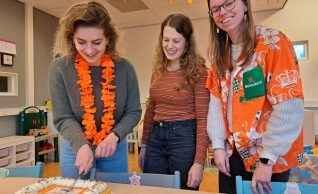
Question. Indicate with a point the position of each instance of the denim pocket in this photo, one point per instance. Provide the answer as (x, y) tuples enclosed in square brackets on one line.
[(155, 132), (185, 129)]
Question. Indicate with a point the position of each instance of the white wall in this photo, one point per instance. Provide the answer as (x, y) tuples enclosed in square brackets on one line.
[(315, 118), (140, 46), (296, 20)]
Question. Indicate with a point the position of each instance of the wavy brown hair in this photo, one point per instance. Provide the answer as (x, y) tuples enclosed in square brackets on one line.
[(86, 14), (220, 43), (191, 62)]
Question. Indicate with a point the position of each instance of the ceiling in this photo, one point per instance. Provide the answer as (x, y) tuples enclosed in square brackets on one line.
[(145, 12)]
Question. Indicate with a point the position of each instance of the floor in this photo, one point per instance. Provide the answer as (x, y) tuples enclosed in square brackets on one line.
[(209, 182)]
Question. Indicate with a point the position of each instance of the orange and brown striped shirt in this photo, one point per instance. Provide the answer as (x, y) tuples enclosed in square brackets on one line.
[(168, 104)]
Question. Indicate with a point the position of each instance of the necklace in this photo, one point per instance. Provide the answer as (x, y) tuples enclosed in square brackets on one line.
[(87, 98), (173, 69)]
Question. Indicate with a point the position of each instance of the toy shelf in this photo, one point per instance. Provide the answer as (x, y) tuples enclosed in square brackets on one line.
[(39, 139), (47, 151), (17, 151), (31, 122)]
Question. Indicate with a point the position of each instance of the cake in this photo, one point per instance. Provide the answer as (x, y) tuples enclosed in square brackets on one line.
[(60, 185)]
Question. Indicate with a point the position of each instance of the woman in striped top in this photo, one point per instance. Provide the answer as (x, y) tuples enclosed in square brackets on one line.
[(174, 132)]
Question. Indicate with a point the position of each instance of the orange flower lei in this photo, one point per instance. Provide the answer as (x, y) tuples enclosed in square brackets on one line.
[(87, 98)]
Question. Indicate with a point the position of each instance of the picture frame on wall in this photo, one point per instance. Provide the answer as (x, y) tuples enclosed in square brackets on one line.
[(6, 59)]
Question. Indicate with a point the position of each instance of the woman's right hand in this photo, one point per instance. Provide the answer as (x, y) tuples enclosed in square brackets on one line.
[(84, 159), (222, 161), (141, 157)]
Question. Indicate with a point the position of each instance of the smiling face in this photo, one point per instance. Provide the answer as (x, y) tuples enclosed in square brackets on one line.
[(173, 44), (229, 21), (90, 42)]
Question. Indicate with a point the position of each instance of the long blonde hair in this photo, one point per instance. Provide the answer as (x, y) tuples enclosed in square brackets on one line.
[(191, 62), (218, 51), (87, 14)]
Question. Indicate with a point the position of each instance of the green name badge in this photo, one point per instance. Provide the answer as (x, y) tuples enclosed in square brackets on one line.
[(254, 83)]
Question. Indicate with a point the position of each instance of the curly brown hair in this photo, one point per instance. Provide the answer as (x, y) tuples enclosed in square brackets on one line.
[(191, 62), (86, 14)]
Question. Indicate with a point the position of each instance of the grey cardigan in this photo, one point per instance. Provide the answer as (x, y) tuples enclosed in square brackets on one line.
[(65, 99)]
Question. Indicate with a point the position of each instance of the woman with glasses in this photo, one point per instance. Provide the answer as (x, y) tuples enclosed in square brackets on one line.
[(256, 102)]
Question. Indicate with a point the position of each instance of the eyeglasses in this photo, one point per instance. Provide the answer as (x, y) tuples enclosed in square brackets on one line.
[(228, 6)]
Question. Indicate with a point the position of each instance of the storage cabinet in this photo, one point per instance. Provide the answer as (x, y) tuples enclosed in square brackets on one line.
[(17, 151), (55, 150)]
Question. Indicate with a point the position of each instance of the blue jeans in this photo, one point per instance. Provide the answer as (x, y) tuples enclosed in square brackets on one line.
[(171, 147), (118, 162)]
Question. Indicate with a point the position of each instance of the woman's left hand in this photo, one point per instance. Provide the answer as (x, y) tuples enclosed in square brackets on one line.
[(195, 175), (262, 178), (107, 147)]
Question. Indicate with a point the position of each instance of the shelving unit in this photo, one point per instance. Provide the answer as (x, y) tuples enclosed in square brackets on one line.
[(17, 151), (38, 140), (33, 118)]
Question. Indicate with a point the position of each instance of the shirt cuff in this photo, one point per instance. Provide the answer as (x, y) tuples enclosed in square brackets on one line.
[(218, 144), (269, 155)]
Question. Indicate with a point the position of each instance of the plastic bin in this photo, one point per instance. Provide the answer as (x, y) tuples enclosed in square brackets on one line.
[(4, 152), (4, 162), (23, 156), (22, 147)]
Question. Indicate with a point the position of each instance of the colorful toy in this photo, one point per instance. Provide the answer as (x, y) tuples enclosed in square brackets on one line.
[(307, 172), (311, 149), (39, 132)]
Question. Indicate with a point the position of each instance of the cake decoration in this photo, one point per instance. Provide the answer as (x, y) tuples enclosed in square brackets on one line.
[(61, 185)]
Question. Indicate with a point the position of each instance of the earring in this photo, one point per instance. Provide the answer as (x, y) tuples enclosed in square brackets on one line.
[(245, 16), (217, 30)]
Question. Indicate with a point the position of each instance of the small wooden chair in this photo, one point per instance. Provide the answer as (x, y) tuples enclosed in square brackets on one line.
[(244, 187), (24, 171)]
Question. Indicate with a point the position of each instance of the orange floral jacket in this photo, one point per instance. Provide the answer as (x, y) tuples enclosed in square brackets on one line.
[(272, 77)]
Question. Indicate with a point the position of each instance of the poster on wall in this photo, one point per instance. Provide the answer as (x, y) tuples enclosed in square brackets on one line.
[(7, 46)]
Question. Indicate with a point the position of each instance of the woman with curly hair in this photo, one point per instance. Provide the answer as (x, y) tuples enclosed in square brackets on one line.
[(174, 132), (94, 92)]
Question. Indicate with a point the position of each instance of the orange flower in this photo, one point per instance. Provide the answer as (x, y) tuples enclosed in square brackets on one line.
[(87, 98), (108, 86), (90, 110)]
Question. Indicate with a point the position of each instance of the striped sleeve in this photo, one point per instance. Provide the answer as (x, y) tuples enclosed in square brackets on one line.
[(148, 117), (202, 98), (148, 120)]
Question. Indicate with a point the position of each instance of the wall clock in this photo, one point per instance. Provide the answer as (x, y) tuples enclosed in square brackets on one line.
[(6, 59)]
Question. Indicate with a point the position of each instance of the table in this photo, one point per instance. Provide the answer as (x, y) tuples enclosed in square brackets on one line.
[(12, 185)]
